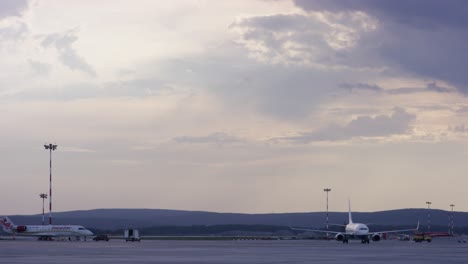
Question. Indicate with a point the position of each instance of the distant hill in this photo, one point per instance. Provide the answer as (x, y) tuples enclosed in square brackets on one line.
[(140, 218)]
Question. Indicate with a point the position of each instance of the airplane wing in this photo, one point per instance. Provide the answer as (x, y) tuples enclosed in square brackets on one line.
[(330, 224), (318, 231), (396, 231), (45, 234)]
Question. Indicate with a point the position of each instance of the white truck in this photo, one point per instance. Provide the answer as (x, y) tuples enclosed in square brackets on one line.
[(132, 235)]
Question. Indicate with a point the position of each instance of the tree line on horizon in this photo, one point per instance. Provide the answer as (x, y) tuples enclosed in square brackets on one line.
[(232, 230)]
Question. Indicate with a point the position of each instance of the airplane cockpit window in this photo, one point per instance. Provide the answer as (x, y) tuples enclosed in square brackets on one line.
[(80, 228)]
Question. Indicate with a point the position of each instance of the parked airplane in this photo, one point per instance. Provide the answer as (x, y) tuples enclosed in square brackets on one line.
[(44, 232), (357, 231)]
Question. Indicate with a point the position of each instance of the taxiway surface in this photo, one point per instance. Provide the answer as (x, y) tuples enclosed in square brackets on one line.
[(294, 251)]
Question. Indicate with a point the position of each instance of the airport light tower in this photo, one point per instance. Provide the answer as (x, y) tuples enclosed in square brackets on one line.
[(327, 190), (43, 196), (428, 216), (50, 147), (451, 220)]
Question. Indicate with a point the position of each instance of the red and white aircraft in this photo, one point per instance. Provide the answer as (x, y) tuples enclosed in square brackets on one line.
[(44, 232)]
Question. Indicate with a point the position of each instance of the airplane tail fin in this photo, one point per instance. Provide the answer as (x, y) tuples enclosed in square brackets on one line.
[(7, 224), (350, 221)]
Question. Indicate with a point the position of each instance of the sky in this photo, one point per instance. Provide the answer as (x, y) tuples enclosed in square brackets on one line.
[(250, 106)]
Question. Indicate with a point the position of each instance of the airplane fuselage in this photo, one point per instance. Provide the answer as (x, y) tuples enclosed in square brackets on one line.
[(357, 230), (51, 230), (44, 231)]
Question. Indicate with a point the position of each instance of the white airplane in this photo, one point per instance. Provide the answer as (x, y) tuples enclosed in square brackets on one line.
[(358, 231), (44, 232)]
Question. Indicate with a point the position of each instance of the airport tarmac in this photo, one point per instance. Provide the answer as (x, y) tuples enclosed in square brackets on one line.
[(281, 251)]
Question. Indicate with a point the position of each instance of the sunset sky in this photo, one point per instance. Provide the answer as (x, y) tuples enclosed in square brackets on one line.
[(250, 106)]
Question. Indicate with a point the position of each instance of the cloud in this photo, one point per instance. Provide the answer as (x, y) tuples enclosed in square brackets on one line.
[(12, 27), (9, 8), (432, 87), (311, 39), (285, 92), (12, 30), (459, 129), (424, 37), (128, 88), (39, 67), (436, 88), (215, 138), (126, 162), (69, 57), (76, 149), (363, 126), (463, 109), (138, 87), (416, 13), (356, 46), (179, 78), (361, 86)]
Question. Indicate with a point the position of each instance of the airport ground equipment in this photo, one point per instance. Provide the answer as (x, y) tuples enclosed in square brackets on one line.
[(132, 235), (101, 237), (420, 237)]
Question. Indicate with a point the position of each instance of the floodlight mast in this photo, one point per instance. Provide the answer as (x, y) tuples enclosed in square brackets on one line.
[(428, 216), (327, 190), (50, 147), (43, 196), (451, 220)]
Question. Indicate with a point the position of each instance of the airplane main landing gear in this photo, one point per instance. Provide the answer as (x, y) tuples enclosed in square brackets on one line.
[(345, 241)]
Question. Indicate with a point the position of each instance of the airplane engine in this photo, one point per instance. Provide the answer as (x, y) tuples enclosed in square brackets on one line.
[(376, 237), (21, 228), (339, 237)]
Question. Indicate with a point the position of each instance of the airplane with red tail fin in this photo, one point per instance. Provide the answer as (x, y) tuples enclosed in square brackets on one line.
[(44, 232)]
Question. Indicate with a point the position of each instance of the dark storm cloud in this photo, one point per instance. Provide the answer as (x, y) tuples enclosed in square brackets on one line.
[(364, 126), (304, 39), (425, 37), (271, 37), (361, 86), (432, 87), (276, 22), (436, 88), (418, 13), (63, 42), (10, 8)]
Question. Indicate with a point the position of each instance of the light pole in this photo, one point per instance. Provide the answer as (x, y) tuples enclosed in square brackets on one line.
[(43, 196), (451, 222), (50, 147), (327, 190), (428, 216)]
